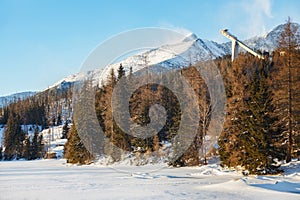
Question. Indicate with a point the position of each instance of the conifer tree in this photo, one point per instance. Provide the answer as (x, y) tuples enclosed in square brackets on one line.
[(13, 138), (65, 130), (41, 146), (287, 80), (251, 129), (58, 121), (257, 127), (35, 147), (27, 148), (75, 151), (121, 72)]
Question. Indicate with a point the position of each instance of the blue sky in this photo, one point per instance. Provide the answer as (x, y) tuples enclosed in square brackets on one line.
[(41, 42)]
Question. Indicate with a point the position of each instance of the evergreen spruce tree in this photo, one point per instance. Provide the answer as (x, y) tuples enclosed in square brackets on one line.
[(41, 146), (58, 121), (121, 72), (75, 151), (13, 138), (65, 130), (257, 128), (27, 148), (251, 129), (35, 148)]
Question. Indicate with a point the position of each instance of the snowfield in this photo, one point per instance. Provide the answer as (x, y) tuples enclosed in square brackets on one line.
[(54, 179)]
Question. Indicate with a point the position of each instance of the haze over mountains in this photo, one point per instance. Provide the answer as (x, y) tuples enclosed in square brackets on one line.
[(188, 51)]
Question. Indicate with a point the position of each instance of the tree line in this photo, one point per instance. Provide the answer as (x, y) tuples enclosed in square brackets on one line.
[(263, 107), (45, 109)]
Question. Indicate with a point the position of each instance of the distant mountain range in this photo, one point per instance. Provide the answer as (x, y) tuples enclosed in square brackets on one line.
[(6, 100), (188, 51)]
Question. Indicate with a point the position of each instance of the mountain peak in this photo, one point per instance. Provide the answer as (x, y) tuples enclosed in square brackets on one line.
[(188, 51), (269, 42), (190, 37)]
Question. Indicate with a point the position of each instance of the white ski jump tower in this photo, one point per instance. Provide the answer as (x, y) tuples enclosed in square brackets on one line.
[(235, 43)]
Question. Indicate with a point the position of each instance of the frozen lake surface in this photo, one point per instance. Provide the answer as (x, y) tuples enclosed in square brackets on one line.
[(54, 179)]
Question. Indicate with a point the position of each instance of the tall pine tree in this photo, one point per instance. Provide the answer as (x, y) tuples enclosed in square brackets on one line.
[(257, 128), (27, 148), (286, 87), (251, 128), (65, 130), (35, 146), (75, 151), (13, 138)]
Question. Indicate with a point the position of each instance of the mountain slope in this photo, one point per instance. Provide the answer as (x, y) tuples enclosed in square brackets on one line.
[(268, 42), (188, 51), (5, 100)]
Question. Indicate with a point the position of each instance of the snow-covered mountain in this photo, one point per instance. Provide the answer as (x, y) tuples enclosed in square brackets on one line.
[(268, 42), (5, 100), (188, 51)]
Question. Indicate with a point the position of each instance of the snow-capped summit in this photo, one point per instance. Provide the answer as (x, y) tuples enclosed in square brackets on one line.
[(190, 37), (188, 51), (269, 42)]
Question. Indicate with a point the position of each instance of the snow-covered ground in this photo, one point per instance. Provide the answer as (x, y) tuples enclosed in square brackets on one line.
[(54, 179), (52, 140), (51, 137)]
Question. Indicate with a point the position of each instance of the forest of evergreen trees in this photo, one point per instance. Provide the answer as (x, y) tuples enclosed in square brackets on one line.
[(38, 112), (262, 121), (263, 108), (261, 126)]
